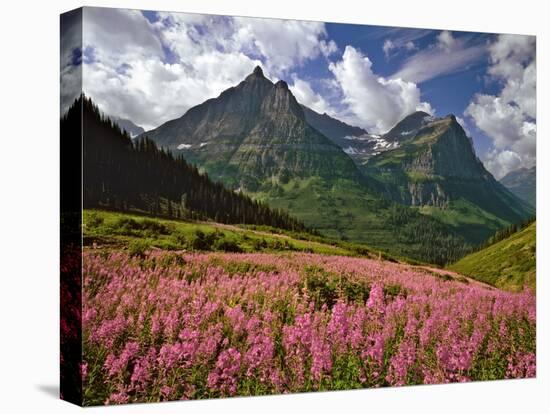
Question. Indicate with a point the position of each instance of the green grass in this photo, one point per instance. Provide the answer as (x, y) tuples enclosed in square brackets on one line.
[(137, 232), (344, 210), (466, 218), (509, 264)]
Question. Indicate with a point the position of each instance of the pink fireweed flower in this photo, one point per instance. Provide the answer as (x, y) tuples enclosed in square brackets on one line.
[(184, 326), (375, 301), (224, 377), (116, 365)]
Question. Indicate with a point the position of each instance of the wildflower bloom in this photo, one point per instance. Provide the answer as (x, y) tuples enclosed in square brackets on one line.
[(242, 324)]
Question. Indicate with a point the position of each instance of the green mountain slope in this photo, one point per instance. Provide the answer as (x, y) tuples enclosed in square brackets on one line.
[(508, 264), (255, 138), (437, 172)]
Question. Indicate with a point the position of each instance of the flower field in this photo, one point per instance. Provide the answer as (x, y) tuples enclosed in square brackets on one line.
[(166, 326)]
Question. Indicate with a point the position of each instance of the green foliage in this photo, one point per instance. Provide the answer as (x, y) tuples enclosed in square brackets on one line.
[(94, 220), (344, 211), (138, 176), (120, 229), (137, 248), (203, 241), (325, 287), (508, 264), (227, 245)]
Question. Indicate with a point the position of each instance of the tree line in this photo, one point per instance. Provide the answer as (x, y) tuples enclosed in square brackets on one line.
[(505, 233), (123, 175)]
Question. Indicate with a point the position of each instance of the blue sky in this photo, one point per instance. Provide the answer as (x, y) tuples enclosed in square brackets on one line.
[(447, 93), (151, 67)]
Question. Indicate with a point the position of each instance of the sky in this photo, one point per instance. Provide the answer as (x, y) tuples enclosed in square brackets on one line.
[(150, 67)]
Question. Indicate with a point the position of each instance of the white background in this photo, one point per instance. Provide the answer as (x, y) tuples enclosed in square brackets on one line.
[(29, 193)]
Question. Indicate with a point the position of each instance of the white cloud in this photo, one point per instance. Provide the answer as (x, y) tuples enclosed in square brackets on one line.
[(510, 54), (509, 118), (410, 45), (399, 39), (390, 45), (448, 55), (307, 96), (446, 40), (502, 162), (153, 72), (284, 43), (387, 47), (376, 103)]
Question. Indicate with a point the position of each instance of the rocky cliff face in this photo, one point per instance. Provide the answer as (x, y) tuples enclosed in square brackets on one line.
[(253, 132), (437, 167)]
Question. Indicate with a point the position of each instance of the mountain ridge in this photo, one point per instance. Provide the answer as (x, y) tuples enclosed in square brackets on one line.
[(254, 137), (436, 169), (246, 133)]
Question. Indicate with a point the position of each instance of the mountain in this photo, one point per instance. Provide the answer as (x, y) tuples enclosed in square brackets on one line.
[(120, 175), (354, 141), (127, 125), (435, 169), (408, 127), (523, 183), (253, 133), (254, 137), (508, 264), (330, 127)]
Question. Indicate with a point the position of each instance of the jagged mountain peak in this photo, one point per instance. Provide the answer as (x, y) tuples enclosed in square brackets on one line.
[(281, 84), (253, 132), (257, 74), (436, 165), (258, 71)]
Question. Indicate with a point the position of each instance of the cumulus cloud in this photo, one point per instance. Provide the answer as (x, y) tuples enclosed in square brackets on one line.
[(151, 72), (509, 118), (284, 43), (376, 103), (448, 54), (305, 94), (502, 162)]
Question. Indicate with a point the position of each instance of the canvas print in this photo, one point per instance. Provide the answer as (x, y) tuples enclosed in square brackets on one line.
[(256, 206)]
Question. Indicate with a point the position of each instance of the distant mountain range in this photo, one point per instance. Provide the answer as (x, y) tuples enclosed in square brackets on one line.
[(523, 183), (127, 125), (418, 190)]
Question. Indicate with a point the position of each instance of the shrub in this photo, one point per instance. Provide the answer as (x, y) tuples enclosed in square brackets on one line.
[(204, 241), (227, 245), (137, 248), (94, 220)]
